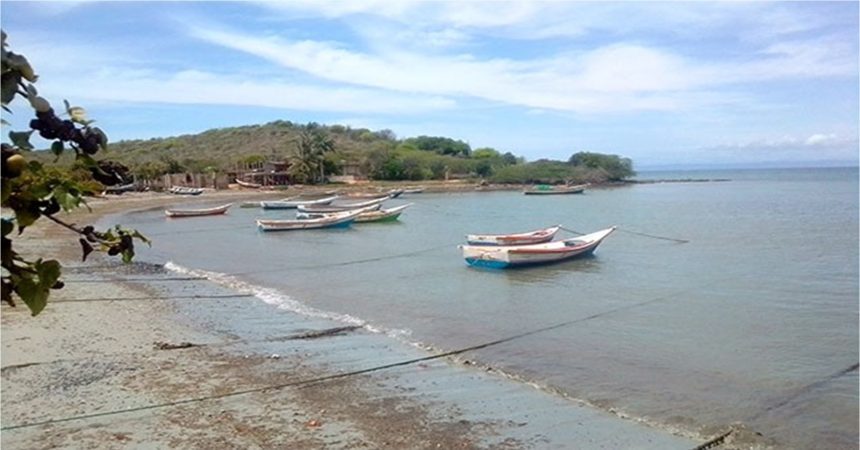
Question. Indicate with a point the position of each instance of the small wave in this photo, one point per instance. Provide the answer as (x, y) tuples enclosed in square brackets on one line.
[(283, 301)]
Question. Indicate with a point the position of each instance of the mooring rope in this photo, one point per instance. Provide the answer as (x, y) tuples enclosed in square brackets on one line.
[(682, 241), (301, 383), (150, 298), (122, 280)]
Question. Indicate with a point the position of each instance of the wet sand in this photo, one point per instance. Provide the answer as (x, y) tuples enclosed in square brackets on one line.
[(132, 356)]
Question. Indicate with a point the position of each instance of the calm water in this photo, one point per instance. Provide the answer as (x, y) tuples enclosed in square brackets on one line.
[(752, 321)]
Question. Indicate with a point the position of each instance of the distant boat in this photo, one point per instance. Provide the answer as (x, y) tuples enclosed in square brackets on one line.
[(181, 190), (367, 195), (545, 189), (247, 184), (382, 215), (197, 212), (295, 202), (514, 256), (527, 238), (416, 190), (250, 205), (394, 193), (343, 219)]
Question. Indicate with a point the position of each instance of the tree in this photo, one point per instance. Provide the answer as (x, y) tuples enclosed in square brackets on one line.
[(33, 191), (616, 167), (440, 145), (308, 157)]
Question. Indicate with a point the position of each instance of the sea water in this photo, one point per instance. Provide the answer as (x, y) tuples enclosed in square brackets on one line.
[(753, 321)]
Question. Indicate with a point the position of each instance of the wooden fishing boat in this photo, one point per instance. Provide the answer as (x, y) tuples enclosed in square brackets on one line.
[(250, 205), (416, 190), (382, 215), (527, 238), (181, 190), (340, 206), (394, 193), (343, 219), (523, 255), (304, 214), (545, 189), (328, 209), (197, 212), (295, 202), (248, 184)]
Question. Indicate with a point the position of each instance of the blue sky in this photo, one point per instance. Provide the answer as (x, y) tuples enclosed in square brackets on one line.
[(729, 83)]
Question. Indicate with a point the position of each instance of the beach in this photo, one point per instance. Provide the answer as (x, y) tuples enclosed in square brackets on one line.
[(117, 361)]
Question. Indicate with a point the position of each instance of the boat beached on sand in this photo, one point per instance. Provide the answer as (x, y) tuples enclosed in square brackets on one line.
[(174, 212), (529, 237), (500, 257)]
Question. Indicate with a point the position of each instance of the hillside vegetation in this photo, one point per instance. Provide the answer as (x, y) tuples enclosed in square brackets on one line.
[(313, 149)]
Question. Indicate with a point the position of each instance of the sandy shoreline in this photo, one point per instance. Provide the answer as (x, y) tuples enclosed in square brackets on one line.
[(88, 355)]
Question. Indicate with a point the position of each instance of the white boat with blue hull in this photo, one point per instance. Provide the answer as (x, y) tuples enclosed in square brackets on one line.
[(336, 220), (502, 257)]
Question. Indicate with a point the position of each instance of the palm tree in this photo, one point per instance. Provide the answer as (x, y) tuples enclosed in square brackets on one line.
[(308, 156)]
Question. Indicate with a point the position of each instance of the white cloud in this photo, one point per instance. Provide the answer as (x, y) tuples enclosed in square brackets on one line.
[(204, 88), (791, 143), (615, 77)]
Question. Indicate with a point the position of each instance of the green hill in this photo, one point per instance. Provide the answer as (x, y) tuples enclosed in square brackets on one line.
[(357, 151)]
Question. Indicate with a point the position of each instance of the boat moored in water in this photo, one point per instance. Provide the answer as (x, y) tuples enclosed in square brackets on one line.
[(295, 202), (545, 189), (343, 219), (501, 257), (527, 238)]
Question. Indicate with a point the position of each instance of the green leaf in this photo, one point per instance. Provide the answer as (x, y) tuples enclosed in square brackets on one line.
[(127, 255), (21, 139), (136, 234), (49, 272), (103, 139), (67, 200), (78, 114), (25, 217), (32, 293), (9, 86), (57, 149)]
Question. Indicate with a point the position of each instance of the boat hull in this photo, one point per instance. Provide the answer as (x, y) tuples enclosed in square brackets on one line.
[(557, 191), (177, 213), (332, 221)]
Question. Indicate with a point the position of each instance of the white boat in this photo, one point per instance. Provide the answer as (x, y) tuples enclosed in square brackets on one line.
[(343, 219), (337, 207), (305, 214), (197, 212), (512, 256), (295, 202), (248, 184), (382, 215), (416, 190), (527, 238), (181, 190)]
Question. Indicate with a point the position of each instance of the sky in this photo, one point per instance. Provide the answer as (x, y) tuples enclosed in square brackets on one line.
[(663, 83)]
